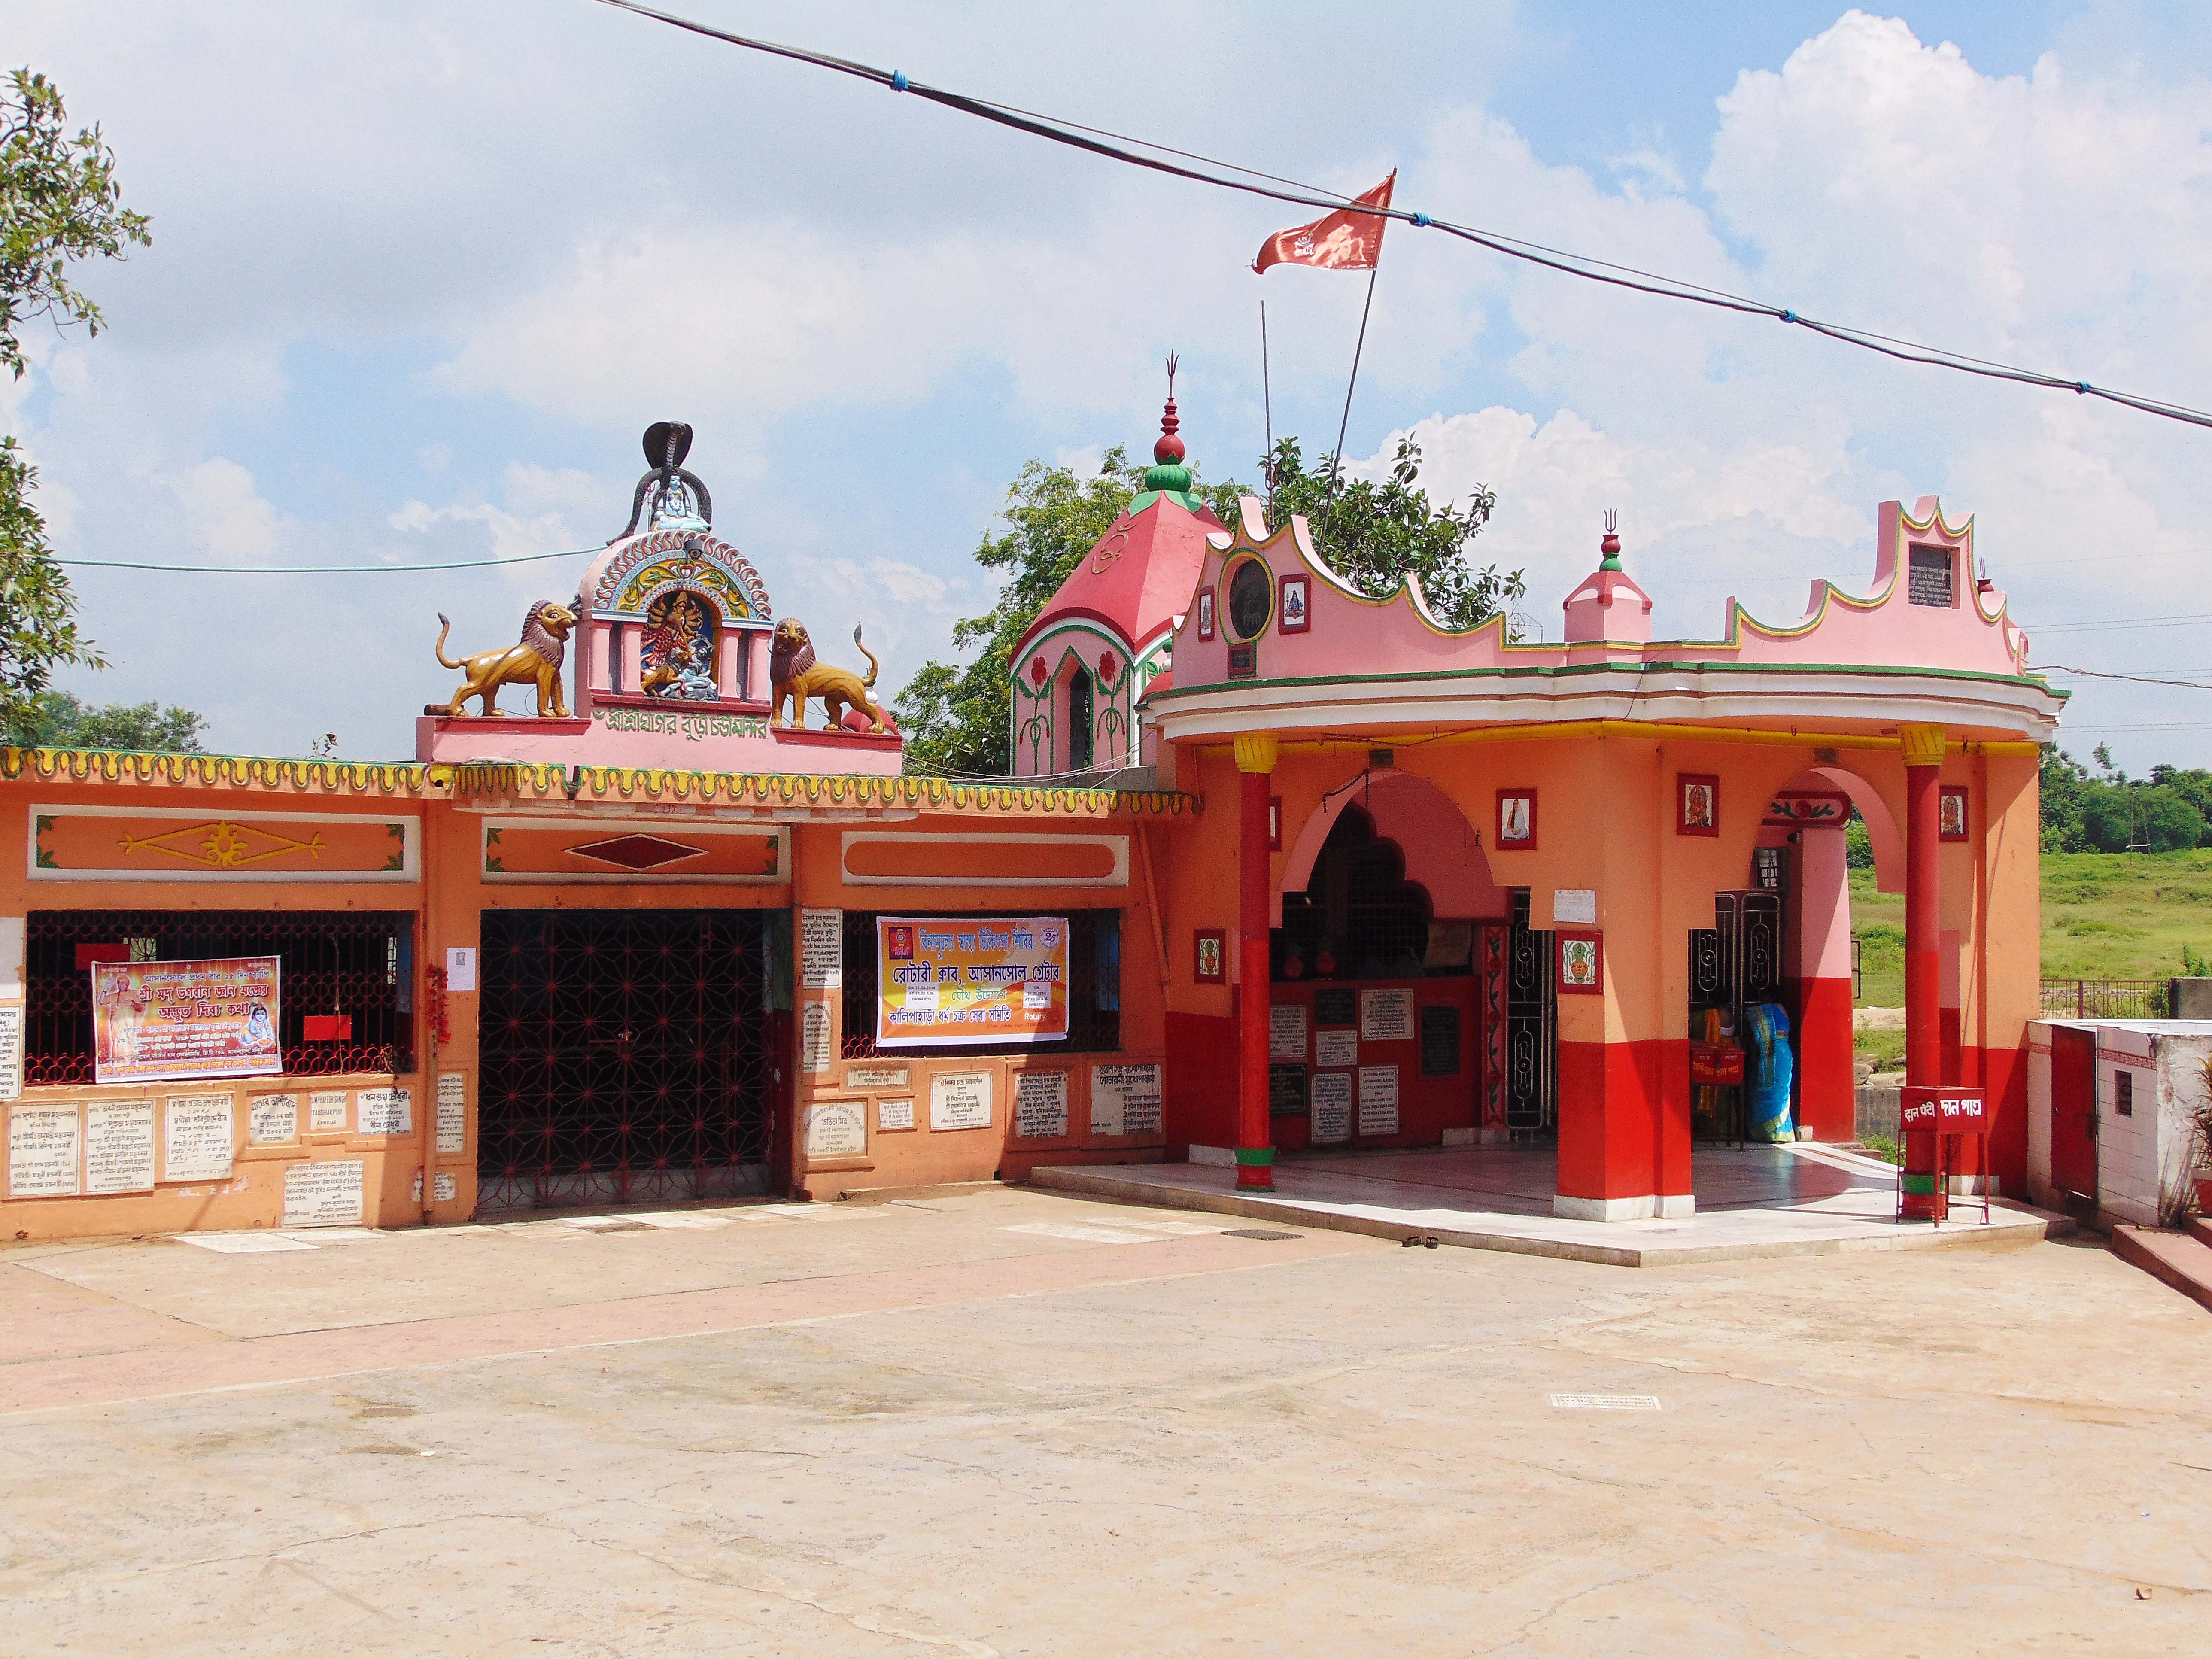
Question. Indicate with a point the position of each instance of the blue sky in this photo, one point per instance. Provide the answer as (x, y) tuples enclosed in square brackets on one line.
[(422, 273)]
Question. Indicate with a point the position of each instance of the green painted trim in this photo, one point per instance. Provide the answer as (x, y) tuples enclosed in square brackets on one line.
[(1188, 501), (1920, 1186), (1255, 1158), (1539, 671)]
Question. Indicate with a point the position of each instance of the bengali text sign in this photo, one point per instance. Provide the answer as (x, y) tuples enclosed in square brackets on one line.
[(961, 981), (185, 1019)]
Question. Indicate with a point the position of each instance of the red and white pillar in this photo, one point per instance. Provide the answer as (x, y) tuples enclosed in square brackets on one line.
[(1255, 1149), (1924, 1198)]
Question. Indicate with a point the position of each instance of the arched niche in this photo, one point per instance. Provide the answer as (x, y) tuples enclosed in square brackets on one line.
[(1882, 831), (1444, 855)]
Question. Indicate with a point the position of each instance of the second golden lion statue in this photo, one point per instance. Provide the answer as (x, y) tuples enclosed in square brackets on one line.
[(533, 660), (792, 673)]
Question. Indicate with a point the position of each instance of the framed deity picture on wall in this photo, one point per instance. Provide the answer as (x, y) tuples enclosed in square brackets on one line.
[(1581, 962), (1517, 820), (1951, 811), (1210, 956), (1697, 804), (1292, 612), (1205, 613)]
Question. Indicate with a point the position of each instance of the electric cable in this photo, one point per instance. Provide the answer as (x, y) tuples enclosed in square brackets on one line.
[(324, 569), (1276, 188)]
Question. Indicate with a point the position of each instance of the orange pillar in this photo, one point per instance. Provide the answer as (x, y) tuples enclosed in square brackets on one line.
[(1255, 1150), (1924, 1197)]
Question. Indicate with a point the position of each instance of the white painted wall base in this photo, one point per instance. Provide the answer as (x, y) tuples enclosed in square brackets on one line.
[(1459, 1137), (1224, 1156), (1641, 1208), (1677, 1207), (1495, 1137)]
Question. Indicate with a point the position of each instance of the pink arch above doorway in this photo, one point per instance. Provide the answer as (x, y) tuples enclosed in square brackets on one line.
[(1444, 855)]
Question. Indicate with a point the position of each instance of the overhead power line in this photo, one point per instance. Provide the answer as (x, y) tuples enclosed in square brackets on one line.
[(1274, 187), (2121, 622), (323, 569), (2099, 674)]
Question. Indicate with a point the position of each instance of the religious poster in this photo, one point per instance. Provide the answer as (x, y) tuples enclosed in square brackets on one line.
[(895, 1114), (837, 1128), (1378, 1100), (1210, 956), (384, 1111), (271, 1119), (822, 949), (1124, 1100), (1330, 1093), (1041, 1105), (957, 980), (1582, 962), (1697, 804), (1286, 1031), (1517, 820), (327, 1111), (1336, 1048), (960, 1100), (44, 1147), (11, 1050), (119, 1146), (453, 1111), (196, 1138), (1386, 1016), (1951, 811), (324, 1195), (814, 1045), (185, 1019)]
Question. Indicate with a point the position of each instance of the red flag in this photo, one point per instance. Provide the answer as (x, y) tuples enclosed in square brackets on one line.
[(1346, 240)]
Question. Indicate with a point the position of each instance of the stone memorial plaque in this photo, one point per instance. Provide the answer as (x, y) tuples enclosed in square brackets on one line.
[(959, 1100), (875, 1077), (453, 1111), (895, 1114), (1336, 1004), (443, 1189), (821, 950), (384, 1111), (814, 1044), (272, 1120), (1386, 1016), (44, 1143), (196, 1138), (837, 1128), (1378, 1100), (1440, 1040), (326, 1110), (1286, 1091), (119, 1146), (1286, 1031), (1041, 1105), (1336, 1048), (1124, 1100), (325, 1194), (11, 1049), (1330, 1124)]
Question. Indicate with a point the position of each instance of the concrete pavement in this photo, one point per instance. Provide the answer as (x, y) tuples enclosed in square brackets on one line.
[(1013, 1422)]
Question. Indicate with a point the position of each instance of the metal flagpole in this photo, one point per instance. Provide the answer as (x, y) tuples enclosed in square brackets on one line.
[(1328, 508), (1268, 404)]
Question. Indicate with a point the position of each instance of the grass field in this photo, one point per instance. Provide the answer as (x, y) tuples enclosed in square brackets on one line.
[(2105, 915)]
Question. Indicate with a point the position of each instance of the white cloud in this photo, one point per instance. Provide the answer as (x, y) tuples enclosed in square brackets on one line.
[(226, 515)]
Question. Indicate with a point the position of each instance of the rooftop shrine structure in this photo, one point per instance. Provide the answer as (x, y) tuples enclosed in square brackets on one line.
[(1285, 869)]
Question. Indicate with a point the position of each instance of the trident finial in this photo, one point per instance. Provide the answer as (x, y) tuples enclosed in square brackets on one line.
[(1610, 547)]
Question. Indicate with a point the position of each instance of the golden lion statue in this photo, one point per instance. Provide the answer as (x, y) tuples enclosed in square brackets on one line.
[(793, 673), (535, 661)]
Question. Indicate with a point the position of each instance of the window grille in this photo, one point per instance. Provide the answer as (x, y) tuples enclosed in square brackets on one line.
[(348, 962)]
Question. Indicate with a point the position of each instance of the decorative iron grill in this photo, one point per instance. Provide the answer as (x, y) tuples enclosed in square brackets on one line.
[(1358, 904), (623, 1055), (347, 961), (1094, 985), (1532, 1013)]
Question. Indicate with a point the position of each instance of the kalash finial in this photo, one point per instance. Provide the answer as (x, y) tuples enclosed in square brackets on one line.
[(1169, 451), (1167, 476), (1611, 545)]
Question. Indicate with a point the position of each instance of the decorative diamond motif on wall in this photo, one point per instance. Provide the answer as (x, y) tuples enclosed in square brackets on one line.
[(637, 852)]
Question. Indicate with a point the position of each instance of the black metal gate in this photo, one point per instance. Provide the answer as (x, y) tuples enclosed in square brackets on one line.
[(625, 1056), (1738, 960), (1532, 1046)]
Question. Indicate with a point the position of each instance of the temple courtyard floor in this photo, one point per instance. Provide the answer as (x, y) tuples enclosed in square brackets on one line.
[(1017, 1421)]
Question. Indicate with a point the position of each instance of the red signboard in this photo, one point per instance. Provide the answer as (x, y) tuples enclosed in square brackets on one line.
[(1949, 1111), (1716, 1063)]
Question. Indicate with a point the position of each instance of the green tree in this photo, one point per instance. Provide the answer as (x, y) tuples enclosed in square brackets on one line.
[(61, 721), (1376, 534), (59, 204), (2063, 784), (955, 717), (2114, 819), (2193, 785)]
